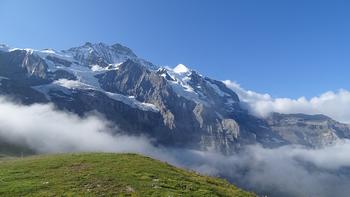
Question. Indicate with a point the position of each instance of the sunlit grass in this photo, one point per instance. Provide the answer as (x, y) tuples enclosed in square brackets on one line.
[(105, 174)]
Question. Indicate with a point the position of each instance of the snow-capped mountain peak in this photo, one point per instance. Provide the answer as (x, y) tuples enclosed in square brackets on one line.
[(4, 47), (181, 69), (104, 55)]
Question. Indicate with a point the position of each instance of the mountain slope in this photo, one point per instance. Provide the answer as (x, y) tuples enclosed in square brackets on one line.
[(105, 174), (177, 107), (308, 130)]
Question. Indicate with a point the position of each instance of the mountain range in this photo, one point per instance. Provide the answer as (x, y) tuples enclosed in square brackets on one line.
[(176, 107)]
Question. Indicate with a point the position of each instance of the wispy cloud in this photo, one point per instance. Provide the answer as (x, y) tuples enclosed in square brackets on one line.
[(333, 104)]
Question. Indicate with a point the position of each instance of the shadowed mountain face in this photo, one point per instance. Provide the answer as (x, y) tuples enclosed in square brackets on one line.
[(176, 107)]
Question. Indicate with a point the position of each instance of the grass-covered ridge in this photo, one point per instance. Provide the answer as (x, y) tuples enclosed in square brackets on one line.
[(105, 174)]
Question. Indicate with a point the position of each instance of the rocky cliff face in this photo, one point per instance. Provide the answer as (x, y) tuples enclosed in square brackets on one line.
[(177, 107), (309, 130)]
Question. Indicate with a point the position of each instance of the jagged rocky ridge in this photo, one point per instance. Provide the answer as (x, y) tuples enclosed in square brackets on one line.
[(176, 107)]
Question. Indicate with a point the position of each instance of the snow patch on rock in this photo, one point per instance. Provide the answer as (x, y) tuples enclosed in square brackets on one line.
[(181, 69)]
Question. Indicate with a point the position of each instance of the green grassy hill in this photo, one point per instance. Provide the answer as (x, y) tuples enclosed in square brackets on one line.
[(105, 174)]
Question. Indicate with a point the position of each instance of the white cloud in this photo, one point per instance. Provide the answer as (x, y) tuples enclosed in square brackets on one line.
[(333, 104), (292, 170), (46, 130), (284, 171)]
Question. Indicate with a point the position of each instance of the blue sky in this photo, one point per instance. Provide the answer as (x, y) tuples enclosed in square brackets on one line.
[(288, 48)]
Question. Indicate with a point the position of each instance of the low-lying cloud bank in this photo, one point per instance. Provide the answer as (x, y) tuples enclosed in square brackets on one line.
[(291, 170), (46, 130), (333, 104)]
